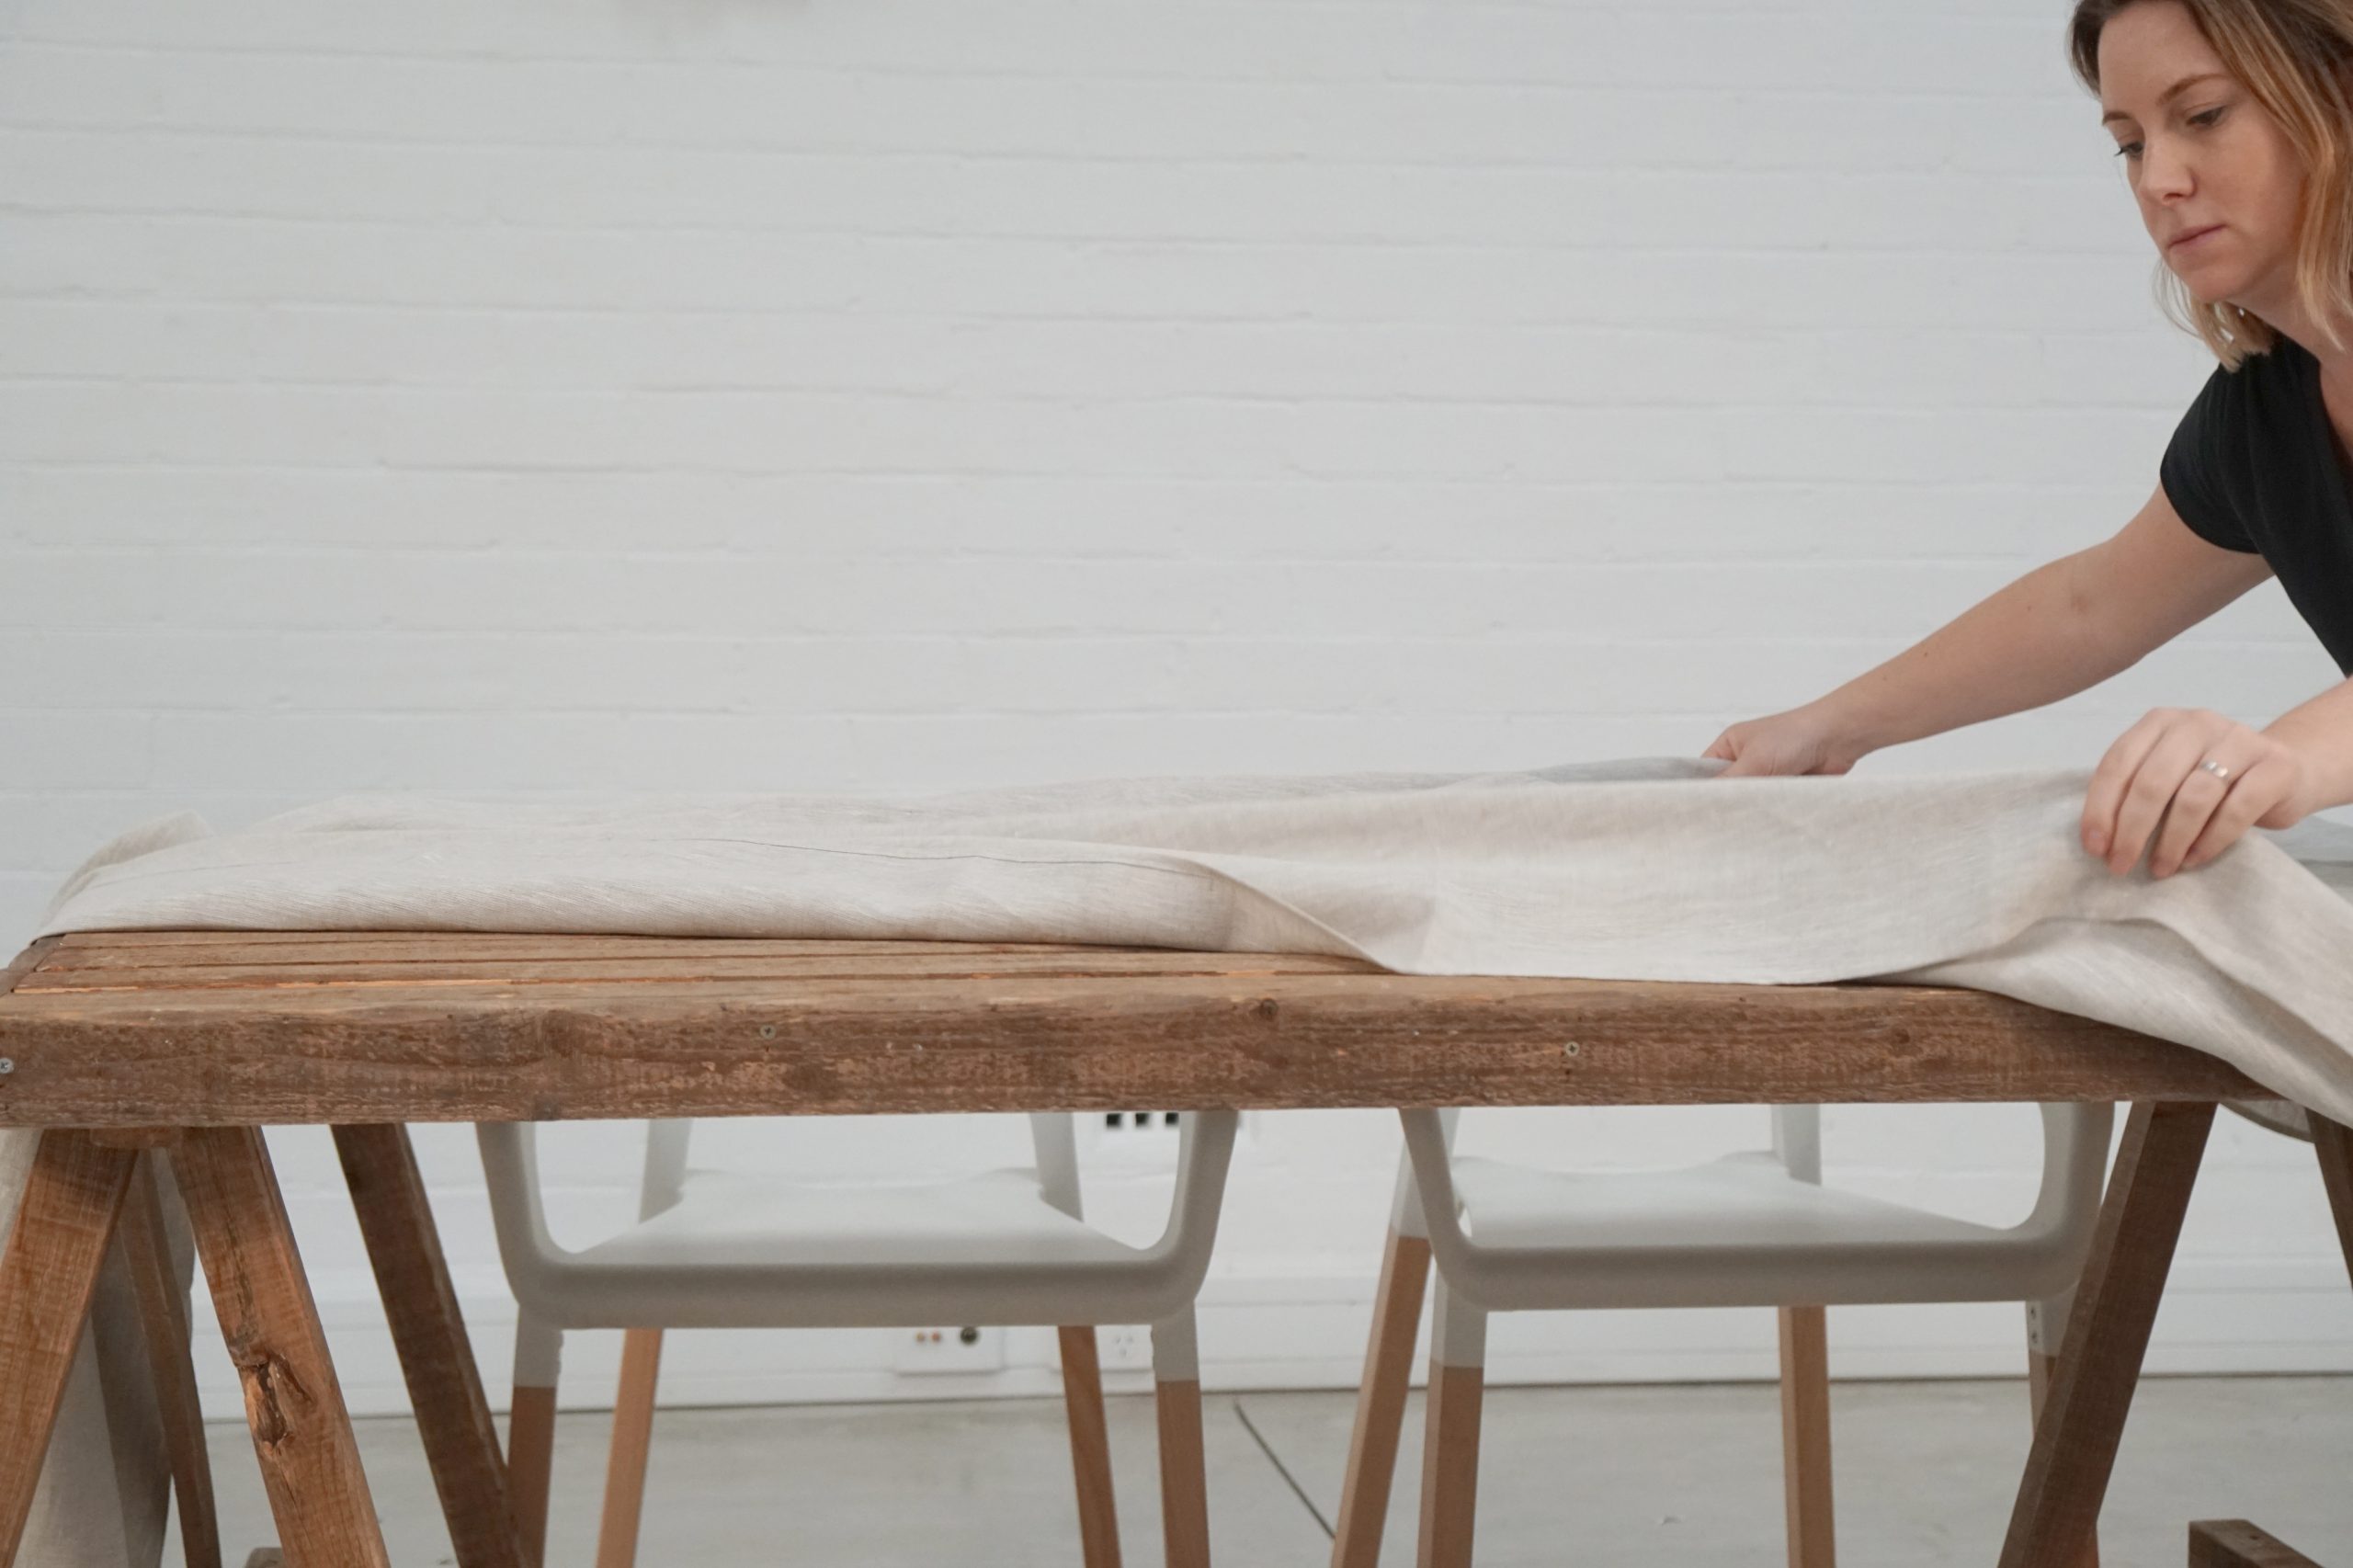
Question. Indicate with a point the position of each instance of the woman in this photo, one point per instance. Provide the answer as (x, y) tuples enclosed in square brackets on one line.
[(2234, 120)]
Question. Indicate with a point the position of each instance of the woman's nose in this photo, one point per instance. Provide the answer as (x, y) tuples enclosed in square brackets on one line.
[(2164, 170)]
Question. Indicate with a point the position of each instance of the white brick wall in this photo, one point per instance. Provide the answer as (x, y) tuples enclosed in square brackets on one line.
[(904, 395)]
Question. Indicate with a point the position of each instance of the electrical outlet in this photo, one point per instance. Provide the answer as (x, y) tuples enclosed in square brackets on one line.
[(1125, 1347), (1131, 1139), (965, 1349), (1135, 1121)]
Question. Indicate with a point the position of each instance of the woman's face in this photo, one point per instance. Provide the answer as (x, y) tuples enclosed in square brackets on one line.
[(2208, 157)]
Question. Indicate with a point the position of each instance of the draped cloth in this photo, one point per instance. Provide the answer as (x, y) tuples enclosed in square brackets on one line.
[(1638, 868)]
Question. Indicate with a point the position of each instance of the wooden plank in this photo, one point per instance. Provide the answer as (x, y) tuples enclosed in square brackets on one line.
[(132, 947), (444, 1386), (494, 947), (2235, 1543), (1026, 1043), (530, 1447), (192, 936), (65, 1223), (163, 1322), (2116, 1303), (302, 1433), (24, 963), (54, 980), (2040, 1371)]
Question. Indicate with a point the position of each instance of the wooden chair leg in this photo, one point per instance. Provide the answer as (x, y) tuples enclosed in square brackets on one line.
[(1090, 1447), (1451, 1431), (445, 1387), (1805, 1436), (1380, 1402), (65, 1221), (1183, 1466), (310, 1463), (531, 1429), (163, 1316), (633, 1437), (2107, 1333)]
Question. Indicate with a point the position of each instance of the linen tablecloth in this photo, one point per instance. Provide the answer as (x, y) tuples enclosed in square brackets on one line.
[(1643, 868)]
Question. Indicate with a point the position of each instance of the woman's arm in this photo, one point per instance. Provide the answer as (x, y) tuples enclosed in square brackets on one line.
[(2320, 730), (2062, 627)]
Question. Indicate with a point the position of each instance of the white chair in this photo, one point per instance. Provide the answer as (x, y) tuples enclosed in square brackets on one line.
[(1750, 1228), (712, 1249)]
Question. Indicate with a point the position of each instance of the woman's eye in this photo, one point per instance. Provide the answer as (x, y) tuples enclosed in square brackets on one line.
[(2204, 118)]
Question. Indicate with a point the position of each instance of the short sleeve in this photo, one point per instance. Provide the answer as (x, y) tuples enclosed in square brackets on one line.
[(2191, 470)]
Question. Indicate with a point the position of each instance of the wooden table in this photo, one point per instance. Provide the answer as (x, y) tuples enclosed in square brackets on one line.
[(117, 1041)]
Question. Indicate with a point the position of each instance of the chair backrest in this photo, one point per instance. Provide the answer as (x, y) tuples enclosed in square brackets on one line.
[(2036, 1258), (565, 1289), (1052, 1138), (1797, 1143)]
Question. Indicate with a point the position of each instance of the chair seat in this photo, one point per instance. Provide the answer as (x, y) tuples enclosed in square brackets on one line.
[(736, 1250), (1736, 1232), (1742, 1202), (725, 1220)]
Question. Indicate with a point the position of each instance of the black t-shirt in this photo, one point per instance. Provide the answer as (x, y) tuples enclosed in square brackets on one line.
[(2254, 466)]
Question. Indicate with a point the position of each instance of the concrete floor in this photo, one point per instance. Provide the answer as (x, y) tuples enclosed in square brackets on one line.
[(1688, 1476)]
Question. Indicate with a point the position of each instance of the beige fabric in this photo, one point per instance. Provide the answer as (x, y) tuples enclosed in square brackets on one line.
[(1640, 868)]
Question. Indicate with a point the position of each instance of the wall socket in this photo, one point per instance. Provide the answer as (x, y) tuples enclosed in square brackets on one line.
[(1129, 1138), (1125, 1347), (962, 1349), (1138, 1120)]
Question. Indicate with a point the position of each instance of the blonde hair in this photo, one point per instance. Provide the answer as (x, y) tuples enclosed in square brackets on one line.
[(2292, 56)]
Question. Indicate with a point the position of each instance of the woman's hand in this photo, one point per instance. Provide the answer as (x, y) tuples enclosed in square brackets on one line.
[(1800, 741), (2153, 771)]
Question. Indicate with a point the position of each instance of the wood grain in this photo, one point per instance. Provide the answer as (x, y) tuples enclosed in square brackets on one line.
[(2039, 1371), (429, 1332), (1184, 1475), (1807, 1515), (1090, 1446), (913, 1026), (2235, 1543), (72, 973), (531, 1452), (1450, 1414), (64, 1221), (302, 1433), (2116, 1303), (1380, 1402), (38, 952), (164, 1322), (625, 1459)]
